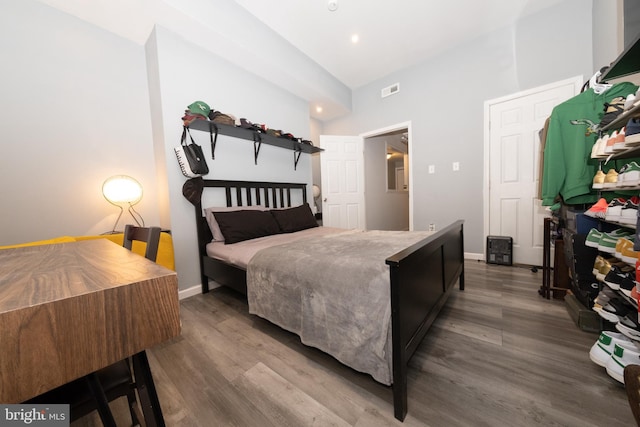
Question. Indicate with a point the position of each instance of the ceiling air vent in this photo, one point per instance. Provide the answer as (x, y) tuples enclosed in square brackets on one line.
[(390, 90)]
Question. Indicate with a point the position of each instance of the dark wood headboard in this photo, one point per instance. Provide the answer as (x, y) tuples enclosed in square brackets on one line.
[(236, 193)]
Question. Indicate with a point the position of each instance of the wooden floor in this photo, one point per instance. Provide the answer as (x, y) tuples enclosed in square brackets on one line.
[(498, 355)]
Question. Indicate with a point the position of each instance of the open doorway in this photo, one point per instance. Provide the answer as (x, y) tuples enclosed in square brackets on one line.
[(355, 180), (386, 174)]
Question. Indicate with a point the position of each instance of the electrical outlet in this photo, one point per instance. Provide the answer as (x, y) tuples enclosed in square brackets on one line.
[(432, 227), (456, 166), (432, 169)]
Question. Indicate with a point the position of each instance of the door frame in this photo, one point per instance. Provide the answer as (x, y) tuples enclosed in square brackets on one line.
[(392, 128), (577, 81)]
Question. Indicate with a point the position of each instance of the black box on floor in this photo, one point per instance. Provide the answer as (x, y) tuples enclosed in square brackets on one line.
[(499, 250)]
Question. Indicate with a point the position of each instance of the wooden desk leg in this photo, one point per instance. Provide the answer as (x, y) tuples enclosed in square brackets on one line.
[(147, 391), (101, 400)]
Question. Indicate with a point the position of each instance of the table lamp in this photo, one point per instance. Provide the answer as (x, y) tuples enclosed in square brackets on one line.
[(121, 190)]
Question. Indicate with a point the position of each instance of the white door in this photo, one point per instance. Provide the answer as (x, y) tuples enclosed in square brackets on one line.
[(342, 165), (514, 155)]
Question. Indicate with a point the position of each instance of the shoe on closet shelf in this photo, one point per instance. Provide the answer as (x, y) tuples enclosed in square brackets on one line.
[(598, 180), (629, 175), (623, 354), (600, 352), (611, 142), (597, 152), (611, 179), (624, 243), (614, 208), (619, 143), (628, 255), (629, 326), (628, 103), (605, 267), (608, 241), (593, 238), (604, 296), (598, 210), (632, 133), (629, 213), (618, 274), (612, 110)]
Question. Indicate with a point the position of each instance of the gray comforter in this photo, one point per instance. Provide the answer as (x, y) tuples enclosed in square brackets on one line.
[(334, 293)]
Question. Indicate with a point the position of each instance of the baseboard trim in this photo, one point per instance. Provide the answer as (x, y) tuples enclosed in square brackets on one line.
[(474, 256), (195, 290)]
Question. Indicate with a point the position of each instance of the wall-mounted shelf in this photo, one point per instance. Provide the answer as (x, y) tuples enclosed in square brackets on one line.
[(627, 64), (258, 139)]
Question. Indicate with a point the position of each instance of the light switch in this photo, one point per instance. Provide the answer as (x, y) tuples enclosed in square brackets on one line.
[(432, 169), (456, 166)]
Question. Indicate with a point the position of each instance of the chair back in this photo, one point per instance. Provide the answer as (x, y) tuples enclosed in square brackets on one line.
[(148, 235), (632, 387)]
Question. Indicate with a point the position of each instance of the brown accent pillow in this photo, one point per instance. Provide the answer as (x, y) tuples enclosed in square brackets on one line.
[(237, 226), (294, 219)]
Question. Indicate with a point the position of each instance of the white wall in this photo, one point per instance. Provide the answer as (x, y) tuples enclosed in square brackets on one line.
[(443, 98), (74, 110), (188, 73)]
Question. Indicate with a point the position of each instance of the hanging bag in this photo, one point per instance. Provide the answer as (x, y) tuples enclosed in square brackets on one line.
[(190, 157)]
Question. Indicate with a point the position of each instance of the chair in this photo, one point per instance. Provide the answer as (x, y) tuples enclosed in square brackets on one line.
[(632, 386), (96, 390)]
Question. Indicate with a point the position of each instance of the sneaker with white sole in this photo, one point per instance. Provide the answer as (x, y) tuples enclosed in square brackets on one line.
[(593, 238), (629, 175), (619, 144), (600, 352), (623, 354), (614, 208), (629, 326), (608, 241), (599, 209), (629, 212)]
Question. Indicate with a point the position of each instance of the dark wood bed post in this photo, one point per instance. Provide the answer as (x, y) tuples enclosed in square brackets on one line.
[(416, 297)]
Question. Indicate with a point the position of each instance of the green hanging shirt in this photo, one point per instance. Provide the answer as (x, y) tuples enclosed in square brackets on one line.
[(568, 167)]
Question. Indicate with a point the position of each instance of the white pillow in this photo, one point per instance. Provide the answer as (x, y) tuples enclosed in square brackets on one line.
[(213, 224)]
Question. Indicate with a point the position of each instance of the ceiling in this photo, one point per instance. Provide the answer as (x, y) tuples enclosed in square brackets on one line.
[(392, 35)]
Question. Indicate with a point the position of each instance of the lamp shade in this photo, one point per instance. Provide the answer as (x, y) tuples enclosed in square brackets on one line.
[(122, 189)]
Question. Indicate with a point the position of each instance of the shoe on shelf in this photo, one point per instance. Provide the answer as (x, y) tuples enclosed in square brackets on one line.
[(614, 208), (608, 150), (619, 144), (598, 210), (605, 267), (617, 274), (623, 354), (598, 150), (612, 110), (593, 238), (608, 241), (629, 175), (600, 352), (611, 179), (628, 255), (628, 103), (598, 180), (622, 243), (632, 135), (629, 213), (629, 326)]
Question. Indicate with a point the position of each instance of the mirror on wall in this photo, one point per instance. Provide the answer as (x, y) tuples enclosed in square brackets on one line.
[(397, 158)]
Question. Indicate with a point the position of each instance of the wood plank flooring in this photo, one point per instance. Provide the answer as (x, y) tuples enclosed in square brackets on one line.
[(498, 355)]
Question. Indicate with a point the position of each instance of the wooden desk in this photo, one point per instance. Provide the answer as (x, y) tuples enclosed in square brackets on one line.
[(69, 309)]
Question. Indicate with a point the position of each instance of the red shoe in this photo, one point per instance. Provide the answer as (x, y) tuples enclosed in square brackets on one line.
[(599, 210)]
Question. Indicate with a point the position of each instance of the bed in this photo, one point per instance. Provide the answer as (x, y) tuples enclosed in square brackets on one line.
[(419, 272)]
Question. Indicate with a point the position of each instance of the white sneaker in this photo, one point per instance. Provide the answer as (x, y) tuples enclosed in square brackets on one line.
[(624, 353), (600, 352)]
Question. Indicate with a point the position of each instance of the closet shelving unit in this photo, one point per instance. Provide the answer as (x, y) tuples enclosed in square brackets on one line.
[(258, 139)]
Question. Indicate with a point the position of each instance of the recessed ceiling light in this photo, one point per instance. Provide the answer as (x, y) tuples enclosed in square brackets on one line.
[(318, 109), (355, 38)]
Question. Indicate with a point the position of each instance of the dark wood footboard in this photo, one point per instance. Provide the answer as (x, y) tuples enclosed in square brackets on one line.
[(422, 277)]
